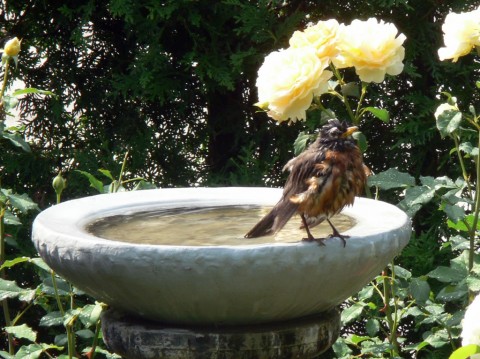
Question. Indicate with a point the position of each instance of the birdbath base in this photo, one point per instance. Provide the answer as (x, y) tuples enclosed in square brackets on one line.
[(136, 338)]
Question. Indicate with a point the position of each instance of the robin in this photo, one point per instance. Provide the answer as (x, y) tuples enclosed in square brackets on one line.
[(323, 179)]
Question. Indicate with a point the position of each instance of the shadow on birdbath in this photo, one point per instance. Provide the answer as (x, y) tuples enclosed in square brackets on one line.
[(192, 295)]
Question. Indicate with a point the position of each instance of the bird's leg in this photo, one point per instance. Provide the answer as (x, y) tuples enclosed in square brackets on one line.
[(309, 234), (336, 233)]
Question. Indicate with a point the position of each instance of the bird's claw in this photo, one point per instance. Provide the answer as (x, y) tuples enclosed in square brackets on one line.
[(341, 236)]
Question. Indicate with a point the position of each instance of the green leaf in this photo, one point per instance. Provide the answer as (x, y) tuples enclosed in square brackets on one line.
[(372, 326), (454, 212), (85, 333), (448, 274), (391, 178), (448, 121), (468, 148), (94, 182), (9, 289), (90, 314), (10, 263), (51, 319), (11, 219), (379, 113), (5, 355), (341, 349), (465, 352), (473, 283), (418, 195), (361, 141), (23, 203), (419, 289), (402, 272), (106, 173), (301, 142), (437, 339), (41, 264), (351, 313), (18, 141), (461, 226), (357, 339), (32, 90), (453, 293), (32, 351), (22, 332)]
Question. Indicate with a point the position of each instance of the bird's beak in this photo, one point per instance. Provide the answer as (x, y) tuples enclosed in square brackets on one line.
[(349, 131)]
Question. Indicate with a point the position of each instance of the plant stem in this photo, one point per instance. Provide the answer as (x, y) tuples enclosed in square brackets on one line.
[(473, 231), (462, 165), (391, 319), (98, 327), (5, 78), (6, 309)]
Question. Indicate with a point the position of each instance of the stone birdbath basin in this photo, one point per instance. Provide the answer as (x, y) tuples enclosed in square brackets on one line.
[(221, 284)]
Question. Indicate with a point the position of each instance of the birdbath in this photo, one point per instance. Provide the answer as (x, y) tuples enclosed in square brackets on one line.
[(240, 299)]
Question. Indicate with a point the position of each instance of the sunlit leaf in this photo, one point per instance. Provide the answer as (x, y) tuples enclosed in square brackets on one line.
[(448, 121), (465, 352), (351, 313), (94, 182), (301, 142), (32, 90), (22, 332), (10, 263), (379, 113), (391, 178), (448, 274)]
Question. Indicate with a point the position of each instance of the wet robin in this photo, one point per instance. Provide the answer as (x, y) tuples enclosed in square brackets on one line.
[(323, 179)]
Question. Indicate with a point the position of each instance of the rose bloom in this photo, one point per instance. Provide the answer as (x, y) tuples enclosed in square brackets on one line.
[(288, 80), (461, 33), (372, 47), (471, 323), (12, 47), (322, 36)]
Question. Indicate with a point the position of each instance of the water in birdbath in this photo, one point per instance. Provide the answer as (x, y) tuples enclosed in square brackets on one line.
[(203, 226)]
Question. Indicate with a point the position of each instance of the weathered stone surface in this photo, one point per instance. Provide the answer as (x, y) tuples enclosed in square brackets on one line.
[(136, 338)]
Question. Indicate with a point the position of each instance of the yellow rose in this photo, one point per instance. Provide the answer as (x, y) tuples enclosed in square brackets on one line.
[(372, 47), (288, 80), (461, 34), (12, 47), (322, 36)]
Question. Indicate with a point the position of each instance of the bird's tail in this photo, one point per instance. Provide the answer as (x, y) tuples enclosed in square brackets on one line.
[(274, 220)]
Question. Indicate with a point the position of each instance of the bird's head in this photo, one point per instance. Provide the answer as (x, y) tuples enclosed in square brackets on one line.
[(337, 130)]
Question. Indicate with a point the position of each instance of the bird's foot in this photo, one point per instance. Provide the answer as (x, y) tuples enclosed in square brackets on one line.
[(341, 236)]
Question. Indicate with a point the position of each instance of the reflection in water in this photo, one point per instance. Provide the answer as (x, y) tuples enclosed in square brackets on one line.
[(203, 226)]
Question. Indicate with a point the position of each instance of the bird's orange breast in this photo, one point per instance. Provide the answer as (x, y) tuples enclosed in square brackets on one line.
[(334, 184)]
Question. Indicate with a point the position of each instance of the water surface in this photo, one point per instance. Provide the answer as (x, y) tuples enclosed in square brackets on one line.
[(203, 226)]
